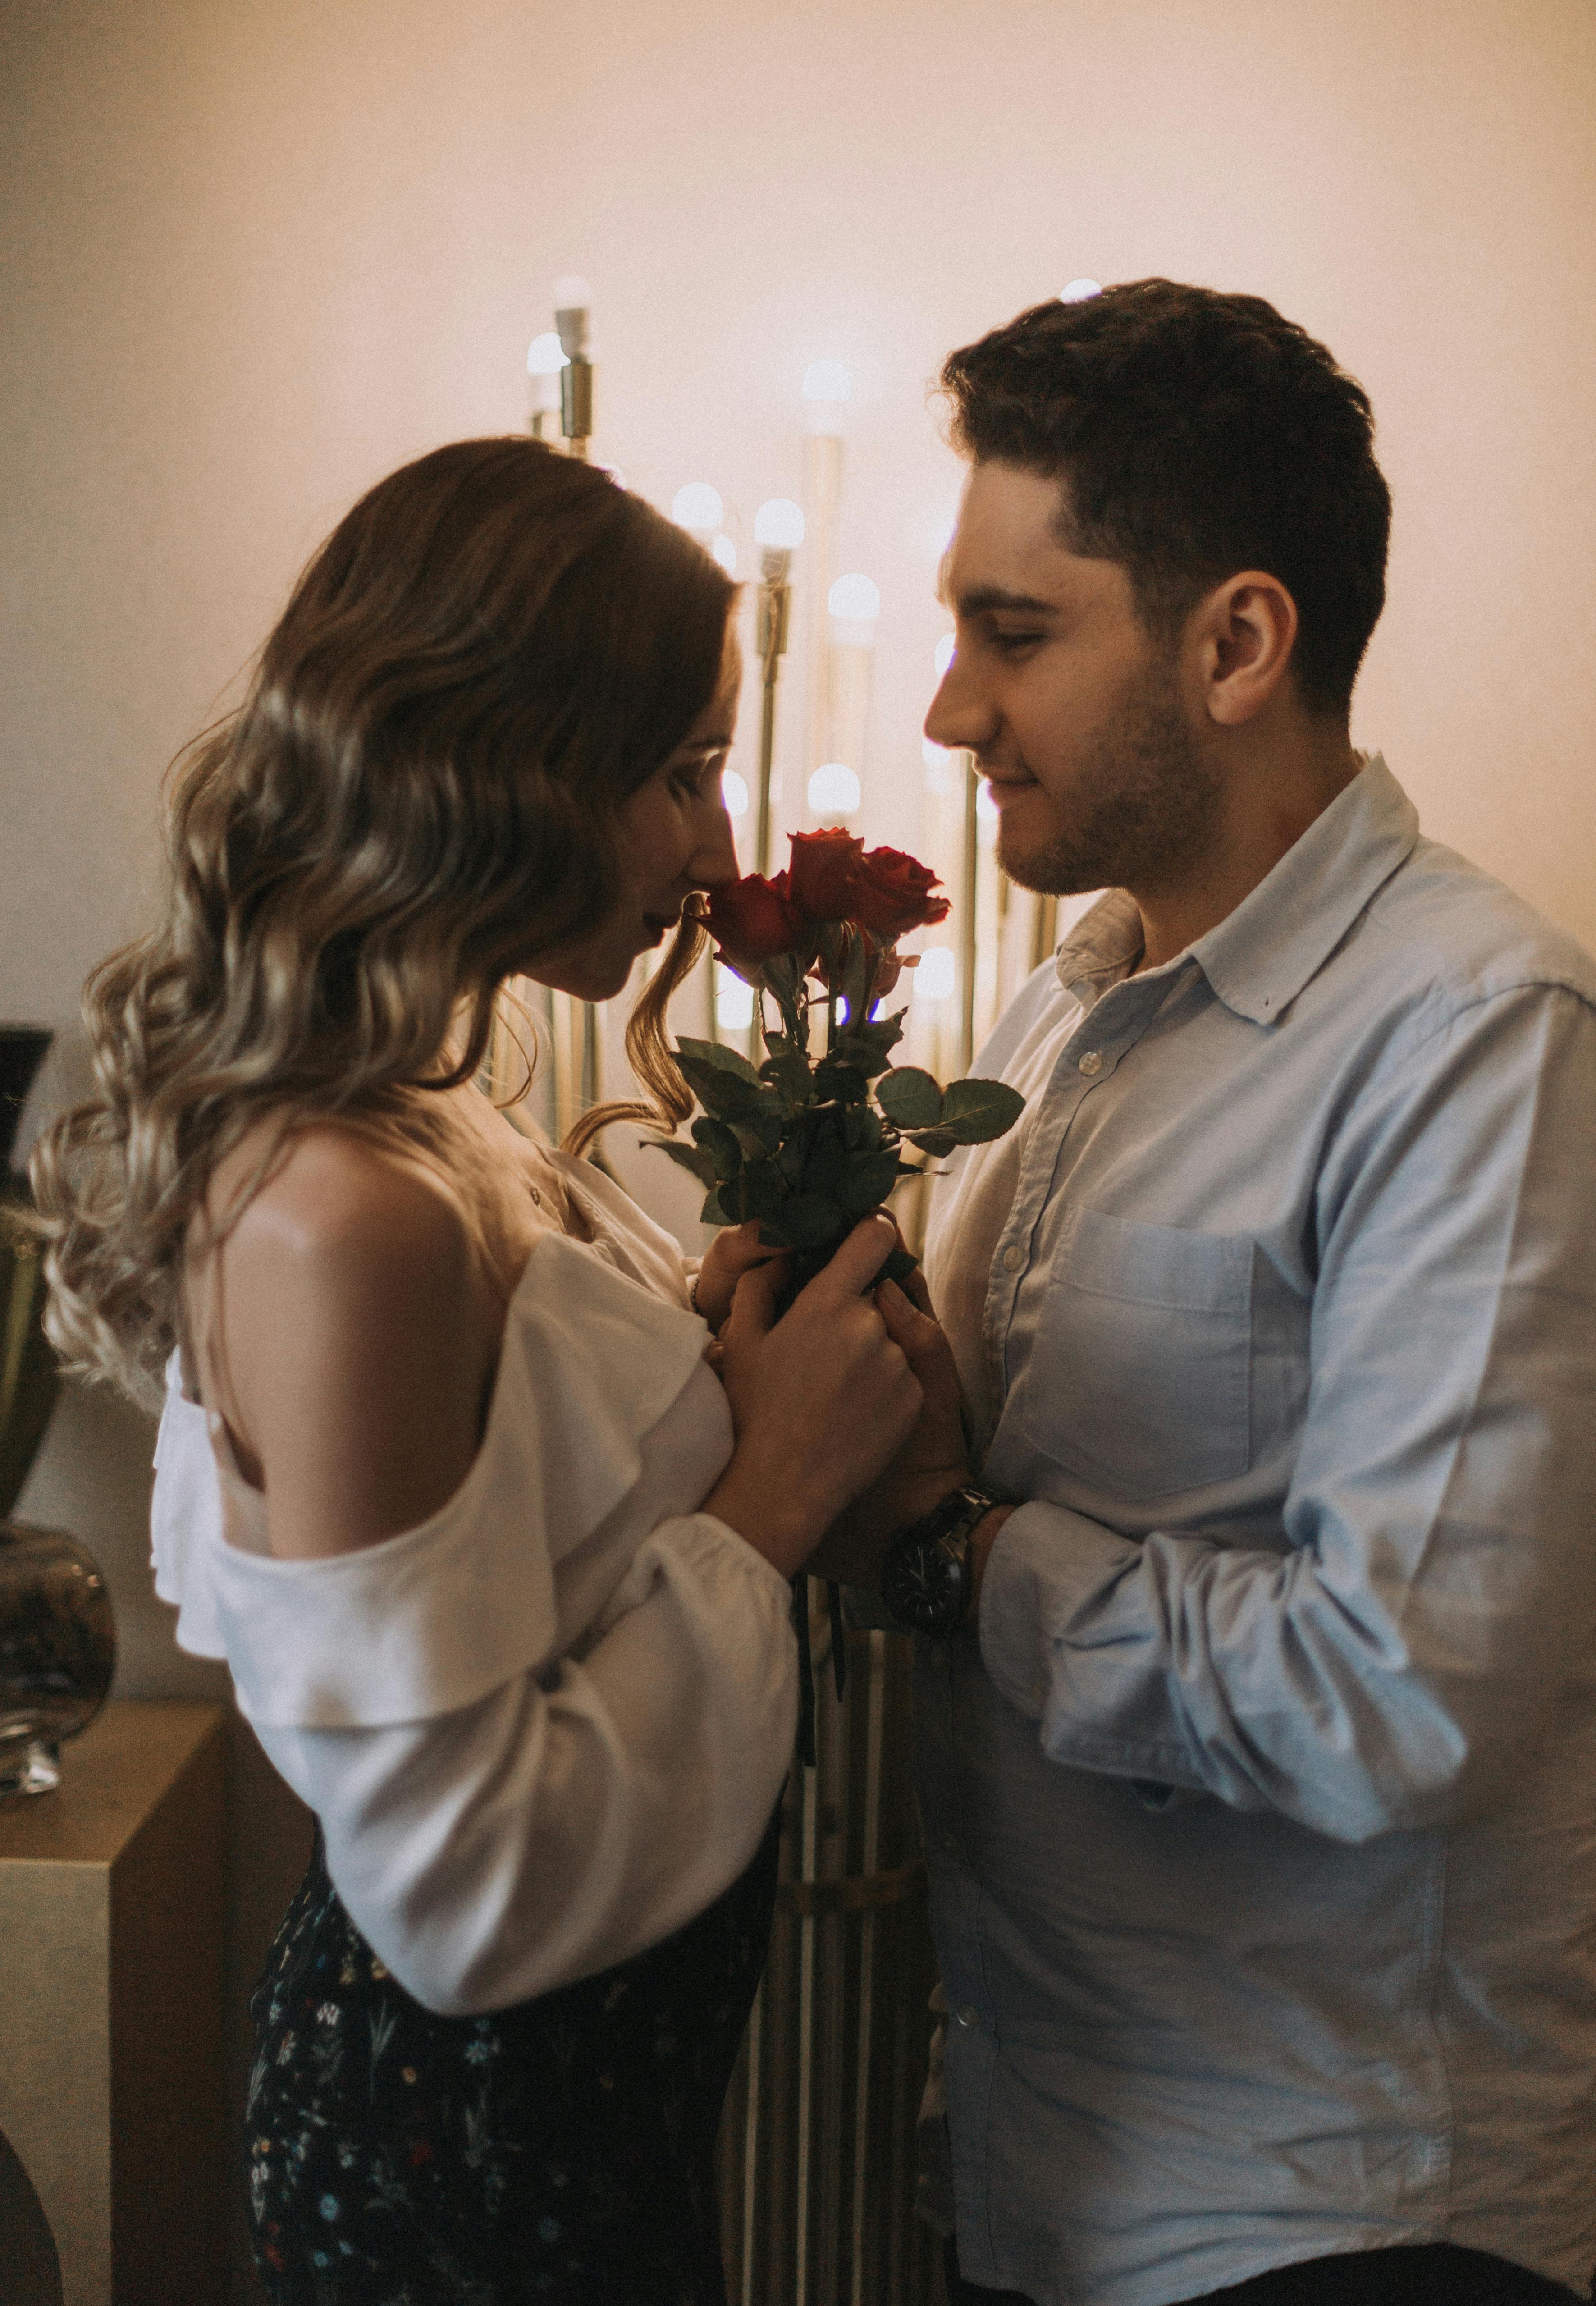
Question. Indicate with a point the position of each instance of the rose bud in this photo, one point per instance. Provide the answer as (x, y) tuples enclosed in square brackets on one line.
[(890, 894), (821, 873), (752, 920)]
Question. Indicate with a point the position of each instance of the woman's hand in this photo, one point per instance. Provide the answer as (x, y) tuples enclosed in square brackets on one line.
[(934, 1459), (736, 1249), (822, 1401)]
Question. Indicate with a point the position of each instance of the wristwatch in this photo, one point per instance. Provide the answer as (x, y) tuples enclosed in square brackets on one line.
[(926, 1578)]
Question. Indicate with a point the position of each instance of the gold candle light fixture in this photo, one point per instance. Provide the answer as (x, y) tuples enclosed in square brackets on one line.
[(778, 531), (545, 358), (827, 388), (573, 304)]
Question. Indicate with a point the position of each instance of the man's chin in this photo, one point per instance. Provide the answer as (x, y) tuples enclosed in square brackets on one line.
[(1048, 871)]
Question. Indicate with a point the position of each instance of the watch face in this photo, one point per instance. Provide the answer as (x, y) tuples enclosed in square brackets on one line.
[(924, 1586)]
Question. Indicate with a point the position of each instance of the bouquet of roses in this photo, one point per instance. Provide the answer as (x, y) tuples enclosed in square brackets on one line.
[(814, 1137)]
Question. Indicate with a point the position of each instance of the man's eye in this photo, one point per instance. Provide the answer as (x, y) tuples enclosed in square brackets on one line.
[(1011, 644)]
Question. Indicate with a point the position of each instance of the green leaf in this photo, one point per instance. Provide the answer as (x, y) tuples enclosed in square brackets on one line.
[(861, 1127), (790, 1157), (716, 1053), (977, 1111), (807, 1221), (764, 1189), (934, 1141), (910, 1097), (711, 1213), (691, 1157), (868, 1181), (720, 1143), (728, 1095), (843, 1084), (788, 1072), (825, 1165), (869, 1045)]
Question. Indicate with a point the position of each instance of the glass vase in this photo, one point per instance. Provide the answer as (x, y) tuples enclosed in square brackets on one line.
[(57, 1651)]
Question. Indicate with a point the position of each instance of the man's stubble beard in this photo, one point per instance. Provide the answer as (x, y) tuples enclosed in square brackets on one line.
[(1143, 804)]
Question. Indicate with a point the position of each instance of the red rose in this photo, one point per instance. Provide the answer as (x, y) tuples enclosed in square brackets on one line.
[(890, 894), (821, 872), (752, 920)]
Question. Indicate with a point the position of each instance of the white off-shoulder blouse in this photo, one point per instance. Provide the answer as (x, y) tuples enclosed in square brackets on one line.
[(548, 1726)]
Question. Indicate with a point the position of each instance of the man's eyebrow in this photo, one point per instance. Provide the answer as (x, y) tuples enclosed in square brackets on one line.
[(988, 597)]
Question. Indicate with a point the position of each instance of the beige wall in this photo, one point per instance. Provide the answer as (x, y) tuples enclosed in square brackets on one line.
[(258, 254)]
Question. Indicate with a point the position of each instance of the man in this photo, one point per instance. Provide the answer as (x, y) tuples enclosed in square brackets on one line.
[(1258, 1772)]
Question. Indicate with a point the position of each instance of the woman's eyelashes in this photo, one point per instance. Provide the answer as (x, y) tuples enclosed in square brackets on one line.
[(700, 780)]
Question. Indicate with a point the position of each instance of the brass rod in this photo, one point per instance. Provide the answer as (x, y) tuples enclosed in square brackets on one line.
[(1045, 931), (970, 891), (767, 751)]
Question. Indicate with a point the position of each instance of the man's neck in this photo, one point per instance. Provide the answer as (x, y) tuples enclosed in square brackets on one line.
[(1270, 797)]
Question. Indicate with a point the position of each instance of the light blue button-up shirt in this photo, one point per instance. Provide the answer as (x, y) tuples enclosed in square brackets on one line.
[(1262, 1820)]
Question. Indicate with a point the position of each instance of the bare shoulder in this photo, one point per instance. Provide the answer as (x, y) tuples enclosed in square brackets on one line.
[(350, 1337), (331, 1210)]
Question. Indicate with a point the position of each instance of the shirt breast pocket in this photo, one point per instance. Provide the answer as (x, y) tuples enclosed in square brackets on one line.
[(1139, 1379)]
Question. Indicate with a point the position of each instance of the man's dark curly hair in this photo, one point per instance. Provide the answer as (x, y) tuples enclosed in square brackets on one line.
[(1195, 434)]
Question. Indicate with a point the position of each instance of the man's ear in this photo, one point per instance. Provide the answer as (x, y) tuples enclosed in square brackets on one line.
[(1240, 638)]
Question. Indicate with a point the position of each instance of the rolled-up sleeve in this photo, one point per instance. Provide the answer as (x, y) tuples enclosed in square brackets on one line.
[(1436, 1591)]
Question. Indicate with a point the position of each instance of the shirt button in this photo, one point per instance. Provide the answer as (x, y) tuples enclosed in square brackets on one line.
[(967, 2014), (1012, 1259), (1091, 1062)]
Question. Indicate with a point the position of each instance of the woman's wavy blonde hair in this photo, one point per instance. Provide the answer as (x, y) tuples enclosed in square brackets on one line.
[(417, 797)]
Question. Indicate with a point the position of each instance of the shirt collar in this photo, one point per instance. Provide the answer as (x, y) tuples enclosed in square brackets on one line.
[(1258, 958), (1261, 955)]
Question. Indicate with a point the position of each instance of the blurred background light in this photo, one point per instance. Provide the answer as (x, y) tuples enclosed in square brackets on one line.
[(698, 506), (780, 524), (855, 599), (833, 789), (936, 976)]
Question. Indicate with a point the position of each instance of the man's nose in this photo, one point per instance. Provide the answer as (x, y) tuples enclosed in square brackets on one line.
[(959, 716)]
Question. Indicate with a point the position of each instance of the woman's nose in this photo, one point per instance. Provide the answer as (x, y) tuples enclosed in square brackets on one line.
[(714, 857)]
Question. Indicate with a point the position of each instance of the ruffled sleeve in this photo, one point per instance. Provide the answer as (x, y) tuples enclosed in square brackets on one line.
[(548, 1726)]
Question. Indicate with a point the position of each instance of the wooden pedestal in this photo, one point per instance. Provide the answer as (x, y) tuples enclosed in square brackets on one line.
[(111, 2093)]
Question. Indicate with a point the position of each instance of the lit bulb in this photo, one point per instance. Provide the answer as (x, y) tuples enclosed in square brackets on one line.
[(833, 789), (855, 599), (780, 524), (944, 655), (827, 379), (572, 294), (936, 976), (545, 355), (698, 506), (939, 766), (725, 552), (734, 792), (734, 1005), (1078, 290)]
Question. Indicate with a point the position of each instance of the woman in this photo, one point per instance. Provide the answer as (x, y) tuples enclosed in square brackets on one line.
[(499, 1564)]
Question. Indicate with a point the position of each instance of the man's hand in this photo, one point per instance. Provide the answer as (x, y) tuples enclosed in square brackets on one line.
[(934, 1460)]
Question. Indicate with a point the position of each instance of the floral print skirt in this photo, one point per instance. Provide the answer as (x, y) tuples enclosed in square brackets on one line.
[(557, 2151)]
